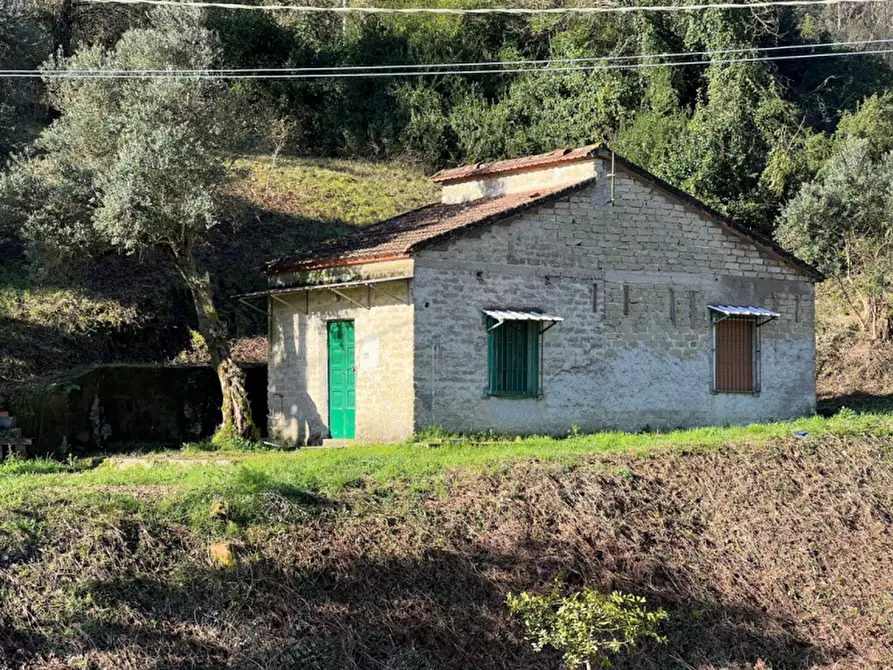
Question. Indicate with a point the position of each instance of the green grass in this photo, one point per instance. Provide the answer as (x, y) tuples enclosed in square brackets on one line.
[(350, 192), (183, 483)]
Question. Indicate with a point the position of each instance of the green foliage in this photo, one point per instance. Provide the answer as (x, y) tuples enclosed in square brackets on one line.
[(848, 205), (873, 121), (843, 223), (587, 627), (23, 45)]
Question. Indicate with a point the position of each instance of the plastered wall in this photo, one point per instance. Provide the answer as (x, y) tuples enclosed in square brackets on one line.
[(298, 366)]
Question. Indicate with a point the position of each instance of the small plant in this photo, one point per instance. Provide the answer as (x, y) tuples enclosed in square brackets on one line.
[(587, 627), (431, 434), (846, 414)]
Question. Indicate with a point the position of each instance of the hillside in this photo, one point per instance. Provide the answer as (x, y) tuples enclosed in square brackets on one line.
[(767, 550), (852, 369), (133, 309)]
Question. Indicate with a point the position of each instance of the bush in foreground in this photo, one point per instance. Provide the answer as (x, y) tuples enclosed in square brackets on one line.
[(587, 627)]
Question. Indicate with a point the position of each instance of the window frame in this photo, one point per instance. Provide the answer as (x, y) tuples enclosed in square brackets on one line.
[(756, 356), (534, 354)]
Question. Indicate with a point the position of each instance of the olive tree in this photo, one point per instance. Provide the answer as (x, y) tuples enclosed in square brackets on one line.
[(23, 45), (139, 164), (843, 223)]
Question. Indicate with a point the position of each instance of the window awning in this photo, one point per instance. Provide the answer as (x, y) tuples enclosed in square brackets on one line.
[(503, 315), (746, 311)]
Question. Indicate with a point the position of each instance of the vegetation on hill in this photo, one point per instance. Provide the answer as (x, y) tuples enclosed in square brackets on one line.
[(764, 548), (113, 308), (759, 140)]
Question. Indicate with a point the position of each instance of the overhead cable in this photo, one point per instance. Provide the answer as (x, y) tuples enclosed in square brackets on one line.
[(448, 66), (250, 74)]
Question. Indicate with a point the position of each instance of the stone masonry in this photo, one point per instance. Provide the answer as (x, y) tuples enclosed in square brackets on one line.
[(607, 366), (631, 275), (298, 363)]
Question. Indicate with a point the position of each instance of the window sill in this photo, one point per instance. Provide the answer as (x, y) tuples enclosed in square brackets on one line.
[(514, 396), (715, 392)]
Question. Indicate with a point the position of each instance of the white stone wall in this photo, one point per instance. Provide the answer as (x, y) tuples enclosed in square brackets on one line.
[(298, 367), (604, 368)]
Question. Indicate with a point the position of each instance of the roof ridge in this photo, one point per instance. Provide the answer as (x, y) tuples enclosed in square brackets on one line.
[(533, 161)]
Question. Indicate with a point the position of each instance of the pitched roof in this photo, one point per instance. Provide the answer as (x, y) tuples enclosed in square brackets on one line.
[(397, 237), (513, 164)]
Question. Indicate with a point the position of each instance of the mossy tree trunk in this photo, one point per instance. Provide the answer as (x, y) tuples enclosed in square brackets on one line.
[(237, 420)]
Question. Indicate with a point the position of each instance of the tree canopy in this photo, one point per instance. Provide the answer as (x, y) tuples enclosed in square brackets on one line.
[(138, 165)]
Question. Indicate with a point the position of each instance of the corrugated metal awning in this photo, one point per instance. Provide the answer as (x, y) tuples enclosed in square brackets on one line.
[(744, 310), (760, 315), (503, 315)]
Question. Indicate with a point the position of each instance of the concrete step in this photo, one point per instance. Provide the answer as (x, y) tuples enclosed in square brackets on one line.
[(338, 443)]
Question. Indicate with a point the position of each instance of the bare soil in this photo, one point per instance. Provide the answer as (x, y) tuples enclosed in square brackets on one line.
[(775, 557)]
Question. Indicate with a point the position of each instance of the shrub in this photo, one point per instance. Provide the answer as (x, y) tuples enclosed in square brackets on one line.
[(587, 627)]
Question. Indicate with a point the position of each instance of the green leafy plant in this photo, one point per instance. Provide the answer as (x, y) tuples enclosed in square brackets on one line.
[(587, 627)]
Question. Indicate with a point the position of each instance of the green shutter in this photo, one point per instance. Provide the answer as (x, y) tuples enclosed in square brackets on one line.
[(513, 358)]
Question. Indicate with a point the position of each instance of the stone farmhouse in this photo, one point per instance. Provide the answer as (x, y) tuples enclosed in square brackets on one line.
[(566, 289)]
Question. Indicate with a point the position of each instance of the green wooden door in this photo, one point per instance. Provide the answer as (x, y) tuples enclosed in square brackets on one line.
[(342, 383)]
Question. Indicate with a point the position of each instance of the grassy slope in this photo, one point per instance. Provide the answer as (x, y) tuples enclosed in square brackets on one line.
[(129, 309), (762, 547)]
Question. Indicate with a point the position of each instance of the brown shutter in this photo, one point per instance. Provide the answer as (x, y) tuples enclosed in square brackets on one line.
[(734, 355)]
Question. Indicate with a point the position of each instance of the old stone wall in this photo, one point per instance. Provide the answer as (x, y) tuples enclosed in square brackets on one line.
[(125, 406), (633, 279), (298, 378)]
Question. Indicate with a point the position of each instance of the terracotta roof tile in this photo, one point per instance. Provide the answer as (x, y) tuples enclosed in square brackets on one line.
[(514, 164), (397, 237)]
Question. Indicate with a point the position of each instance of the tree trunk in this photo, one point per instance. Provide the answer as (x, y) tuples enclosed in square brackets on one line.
[(63, 28), (236, 411)]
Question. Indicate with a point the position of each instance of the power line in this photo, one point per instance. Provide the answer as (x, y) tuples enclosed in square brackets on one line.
[(432, 66), (602, 9), (212, 74)]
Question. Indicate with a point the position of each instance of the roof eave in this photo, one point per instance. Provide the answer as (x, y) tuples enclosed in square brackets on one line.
[(325, 264), (499, 216)]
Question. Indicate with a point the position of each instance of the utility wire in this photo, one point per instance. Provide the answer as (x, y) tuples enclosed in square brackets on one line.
[(211, 74), (434, 68), (601, 9)]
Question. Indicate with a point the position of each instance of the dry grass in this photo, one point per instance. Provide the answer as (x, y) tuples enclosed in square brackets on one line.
[(851, 369), (348, 192), (775, 556)]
